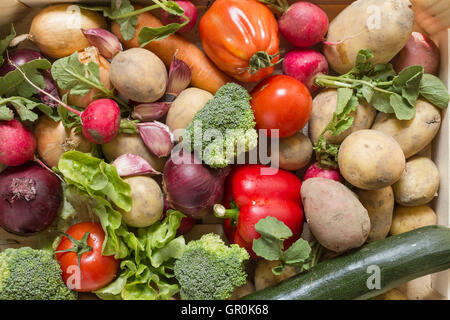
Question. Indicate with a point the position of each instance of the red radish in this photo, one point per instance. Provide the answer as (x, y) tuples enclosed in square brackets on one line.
[(303, 24), (190, 11), (101, 121), (30, 199), (17, 143), (186, 225), (419, 50), (304, 65), (315, 171)]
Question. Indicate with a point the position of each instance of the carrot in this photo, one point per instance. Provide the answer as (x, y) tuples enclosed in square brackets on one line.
[(205, 75)]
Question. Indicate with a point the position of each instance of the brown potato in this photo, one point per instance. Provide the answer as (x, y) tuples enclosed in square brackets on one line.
[(335, 216), (131, 143), (410, 218), (148, 202), (185, 106), (384, 27), (294, 152), (371, 159), (242, 291), (380, 207), (418, 184), (139, 75), (324, 105), (264, 277), (415, 134)]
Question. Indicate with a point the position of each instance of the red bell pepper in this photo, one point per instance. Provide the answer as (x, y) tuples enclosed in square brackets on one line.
[(257, 196)]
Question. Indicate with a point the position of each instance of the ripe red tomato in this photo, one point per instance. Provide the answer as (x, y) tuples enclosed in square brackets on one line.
[(96, 270), (281, 102)]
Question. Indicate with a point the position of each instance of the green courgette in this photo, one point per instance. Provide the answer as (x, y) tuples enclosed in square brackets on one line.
[(399, 258)]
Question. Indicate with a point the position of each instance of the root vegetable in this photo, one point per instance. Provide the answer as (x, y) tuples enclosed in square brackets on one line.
[(56, 30), (410, 218), (380, 207), (17, 143), (31, 198), (304, 65), (418, 184), (148, 202), (294, 152), (185, 106), (151, 83), (419, 50), (371, 159), (53, 139), (264, 277), (315, 171), (334, 214), (125, 143), (205, 75)]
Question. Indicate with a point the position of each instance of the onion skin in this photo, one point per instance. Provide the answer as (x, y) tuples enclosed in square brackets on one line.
[(38, 204), (52, 32), (193, 188), (53, 139)]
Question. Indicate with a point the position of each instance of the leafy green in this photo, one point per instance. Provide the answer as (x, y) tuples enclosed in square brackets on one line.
[(148, 34), (270, 245), (434, 90), (4, 43)]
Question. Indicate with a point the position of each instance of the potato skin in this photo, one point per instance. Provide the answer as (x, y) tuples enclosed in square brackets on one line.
[(351, 30), (131, 143), (371, 160), (264, 276), (393, 294), (139, 75), (294, 152), (415, 134), (418, 184), (380, 207), (410, 218), (185, 106), (335, 216), (148, 202), (242, 291), (324, 105)]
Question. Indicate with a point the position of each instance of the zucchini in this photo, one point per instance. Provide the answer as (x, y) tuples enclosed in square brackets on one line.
[(400, 258)]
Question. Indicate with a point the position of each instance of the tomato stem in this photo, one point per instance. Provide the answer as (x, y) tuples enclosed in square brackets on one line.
[(261, 60), (78, 246)]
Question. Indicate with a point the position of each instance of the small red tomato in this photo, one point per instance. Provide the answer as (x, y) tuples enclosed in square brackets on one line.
[(97, 270), (281, 102)]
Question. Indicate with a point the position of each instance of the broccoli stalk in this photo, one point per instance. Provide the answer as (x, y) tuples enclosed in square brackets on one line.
[(224, 128), (29, 274), (210, 270)]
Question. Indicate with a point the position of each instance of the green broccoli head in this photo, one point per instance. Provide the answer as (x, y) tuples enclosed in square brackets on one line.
[(224, 127), (29, 274), (210, 270)]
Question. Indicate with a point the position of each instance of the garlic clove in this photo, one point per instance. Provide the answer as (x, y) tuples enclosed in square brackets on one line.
[(179, 77), (150, 111), (157, 137), (106, 42), (131, 165)]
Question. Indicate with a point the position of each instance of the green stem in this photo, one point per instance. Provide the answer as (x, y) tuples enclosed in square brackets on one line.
[(338, 81), (261, 60), (78, 247), (279, 5), (221, 212), (137, 12)]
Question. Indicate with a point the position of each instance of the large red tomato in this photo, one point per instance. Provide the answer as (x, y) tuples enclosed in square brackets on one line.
[(97, 270), (238, 35), (281, 102)]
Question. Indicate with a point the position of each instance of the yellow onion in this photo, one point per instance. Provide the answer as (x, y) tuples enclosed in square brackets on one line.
[(90, 54), (56, 30), (53, 139)]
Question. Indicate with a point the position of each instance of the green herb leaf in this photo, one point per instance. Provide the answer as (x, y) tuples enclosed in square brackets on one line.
[(344, 95), (362, 64), (73, 75), (403, 111), (147, 34), (24, 108), (6, 113), (4, 43), (434, 90), (381, 102), (382, 72), (270, 245), (13, 83)]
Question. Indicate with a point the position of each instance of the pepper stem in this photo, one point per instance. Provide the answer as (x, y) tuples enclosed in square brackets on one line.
[(221, 212)]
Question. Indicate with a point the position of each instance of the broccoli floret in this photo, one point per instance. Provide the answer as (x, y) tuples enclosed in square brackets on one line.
[(210, 270), (227, 127), (29, 274)]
